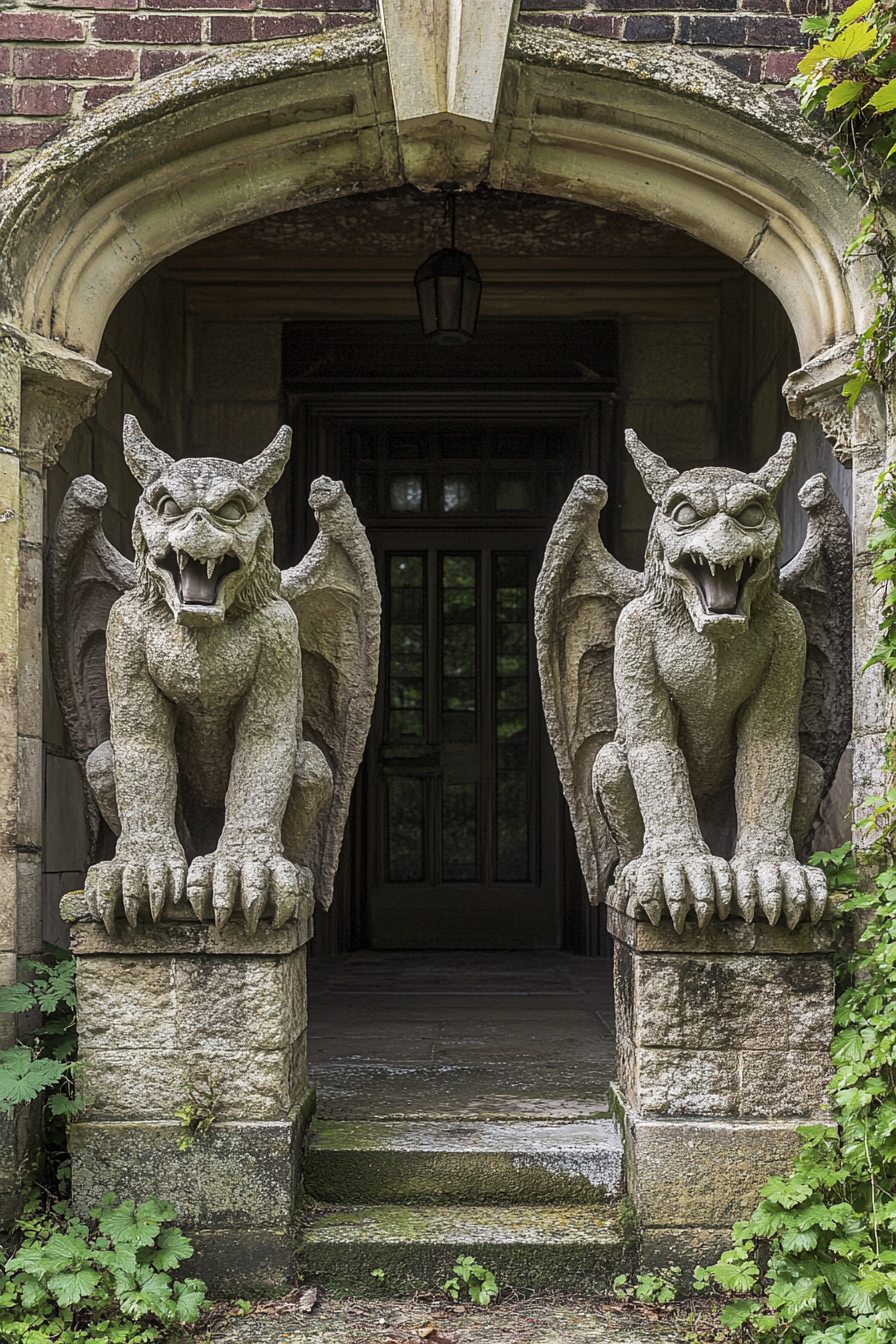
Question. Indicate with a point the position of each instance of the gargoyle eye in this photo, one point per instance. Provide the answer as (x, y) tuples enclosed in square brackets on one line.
[(752, 516), (685, 514), (231, 512), (168, 508)]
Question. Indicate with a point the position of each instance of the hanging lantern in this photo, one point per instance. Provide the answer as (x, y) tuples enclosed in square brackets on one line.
[(448, 288)]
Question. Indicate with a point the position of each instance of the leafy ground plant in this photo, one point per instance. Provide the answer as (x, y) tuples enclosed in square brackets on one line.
[(47, 1063), (106, 1278), (471, 1279), (659, 1288), (818, 1256)]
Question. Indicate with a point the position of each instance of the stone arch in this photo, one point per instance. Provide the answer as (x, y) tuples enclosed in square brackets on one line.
[(242, 134)]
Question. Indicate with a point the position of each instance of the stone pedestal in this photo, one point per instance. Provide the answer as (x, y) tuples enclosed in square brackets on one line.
[(167, 1003), (723, 1048)]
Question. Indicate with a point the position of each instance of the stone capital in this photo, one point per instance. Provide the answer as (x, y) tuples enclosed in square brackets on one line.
[(59, 389), (815, 391)]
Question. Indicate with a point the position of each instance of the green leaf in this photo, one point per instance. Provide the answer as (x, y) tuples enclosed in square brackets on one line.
[(71, 1288), (172, 1248), (16, 998), (735, 1313), (857, 10), (843, 93), (885, 98)]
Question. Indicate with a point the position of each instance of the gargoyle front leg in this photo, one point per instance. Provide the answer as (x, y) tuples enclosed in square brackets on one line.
[(675, 868), (248, 864), (149, 864), (765, 867)]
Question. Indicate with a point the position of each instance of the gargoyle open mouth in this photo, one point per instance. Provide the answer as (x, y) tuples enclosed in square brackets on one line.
[(721, 587), (198, 581)]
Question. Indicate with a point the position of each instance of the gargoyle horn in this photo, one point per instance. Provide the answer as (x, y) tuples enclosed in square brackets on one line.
[(656, 474), (771, 477), (265, 470), (145, 460)]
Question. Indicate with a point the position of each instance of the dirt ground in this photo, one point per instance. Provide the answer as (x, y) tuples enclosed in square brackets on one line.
[(554, 1319)]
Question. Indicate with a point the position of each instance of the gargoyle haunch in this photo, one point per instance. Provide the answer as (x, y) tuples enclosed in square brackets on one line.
[(218, 708), (698, 711)]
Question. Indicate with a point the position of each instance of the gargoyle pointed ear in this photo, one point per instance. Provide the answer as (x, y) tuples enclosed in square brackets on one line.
[(771, 477), (265, 470), (656, 474), (145, 460)]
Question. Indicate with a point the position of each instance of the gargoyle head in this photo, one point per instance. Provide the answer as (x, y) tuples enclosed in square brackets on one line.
[(203, 538), (715, 538)]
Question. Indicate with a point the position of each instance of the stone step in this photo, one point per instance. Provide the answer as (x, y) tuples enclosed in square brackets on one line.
[(530, 1248), (472, 1162)]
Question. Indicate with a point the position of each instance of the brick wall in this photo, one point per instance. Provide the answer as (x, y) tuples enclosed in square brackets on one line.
[(60, 58), (758, 40)]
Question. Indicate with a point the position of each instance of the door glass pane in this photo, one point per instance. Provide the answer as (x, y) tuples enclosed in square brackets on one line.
[(406, 818), (459, 805), (511, 616), (406, 642), (458, 602)]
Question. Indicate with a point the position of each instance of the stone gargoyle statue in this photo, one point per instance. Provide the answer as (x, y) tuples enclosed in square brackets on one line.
[(218, 707), (698, 711)]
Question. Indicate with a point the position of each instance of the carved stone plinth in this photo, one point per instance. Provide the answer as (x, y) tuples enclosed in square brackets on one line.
[(159, 1005), (722, 1041)]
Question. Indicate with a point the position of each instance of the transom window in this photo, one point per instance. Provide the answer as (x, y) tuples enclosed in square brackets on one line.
[(459, 471)]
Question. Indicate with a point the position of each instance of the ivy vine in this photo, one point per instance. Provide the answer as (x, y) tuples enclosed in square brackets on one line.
[(816, 1262), (848, 81)]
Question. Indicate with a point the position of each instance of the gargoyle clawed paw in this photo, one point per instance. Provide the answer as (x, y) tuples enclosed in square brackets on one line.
[(218, 883), (698, 882), (708, 885), (134, 887)]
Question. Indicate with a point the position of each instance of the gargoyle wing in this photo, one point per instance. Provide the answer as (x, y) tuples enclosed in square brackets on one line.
[(580, 592), (85, 576), (818, 581), (335, 597)]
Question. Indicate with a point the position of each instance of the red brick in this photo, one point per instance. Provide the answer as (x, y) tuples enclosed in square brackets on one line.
[(27, 134), (780, 66), (345, 20), (285, 25), (231, 28), (39, 28), (595, 25), (43, 100), (101, 93), (154, 63), (169, 29), (199, 4), (5, 99), (334, 6), (648, 28), (746, 64), (4, 60), (740, 30), (89, 4), (66, 63)]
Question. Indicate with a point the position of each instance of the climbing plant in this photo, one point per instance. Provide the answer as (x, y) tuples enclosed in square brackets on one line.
[(848, 81), (817, 1259)]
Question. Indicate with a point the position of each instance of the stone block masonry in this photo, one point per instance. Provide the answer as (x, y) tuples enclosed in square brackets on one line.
[(723, 1049), (164, 1005)]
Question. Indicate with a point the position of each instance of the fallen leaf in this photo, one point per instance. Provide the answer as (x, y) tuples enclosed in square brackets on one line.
[(308, 1299)]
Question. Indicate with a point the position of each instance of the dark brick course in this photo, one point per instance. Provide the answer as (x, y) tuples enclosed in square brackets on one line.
[(73, 63), (42, 100)]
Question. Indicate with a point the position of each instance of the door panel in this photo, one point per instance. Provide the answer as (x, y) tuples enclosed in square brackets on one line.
[(457, 773)]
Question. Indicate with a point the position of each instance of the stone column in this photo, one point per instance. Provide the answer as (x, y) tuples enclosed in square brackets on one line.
[(164, 1004), (723, 1048)]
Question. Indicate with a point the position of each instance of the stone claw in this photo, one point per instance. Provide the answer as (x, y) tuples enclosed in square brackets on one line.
[(780, 886)]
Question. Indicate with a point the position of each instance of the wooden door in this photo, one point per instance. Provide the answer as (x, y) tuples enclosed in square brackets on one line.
[(461, 827)]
